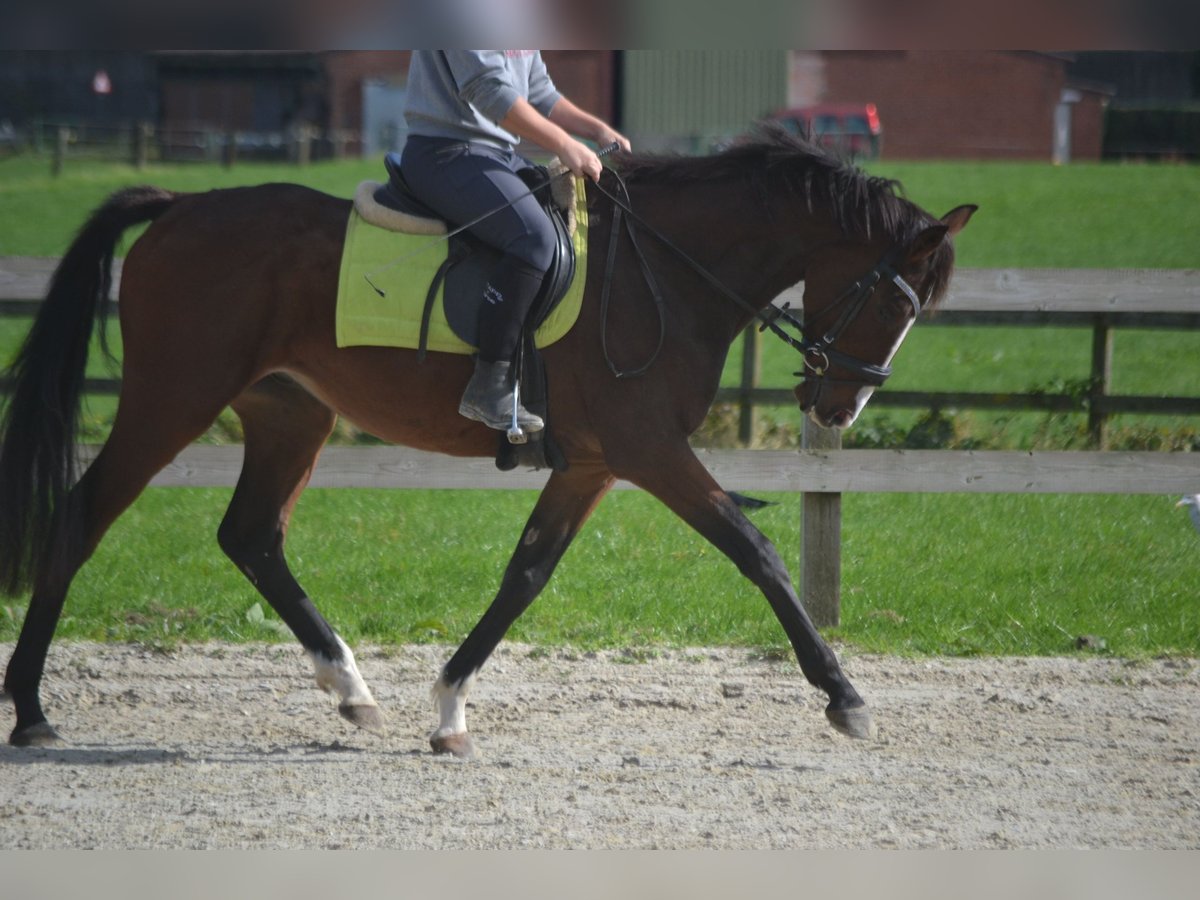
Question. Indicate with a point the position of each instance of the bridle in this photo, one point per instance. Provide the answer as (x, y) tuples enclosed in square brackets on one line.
[(818, 355)]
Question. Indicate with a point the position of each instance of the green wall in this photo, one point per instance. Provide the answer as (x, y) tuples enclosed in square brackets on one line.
[(684, 99)]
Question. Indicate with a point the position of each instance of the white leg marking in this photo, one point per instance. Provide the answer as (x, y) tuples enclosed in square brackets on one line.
[(451, 701), (341, 677)]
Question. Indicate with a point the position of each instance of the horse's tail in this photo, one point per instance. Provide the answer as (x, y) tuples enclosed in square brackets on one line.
[(38, 461)]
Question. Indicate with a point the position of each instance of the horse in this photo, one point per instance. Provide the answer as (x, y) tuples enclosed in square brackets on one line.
[(227, 300)]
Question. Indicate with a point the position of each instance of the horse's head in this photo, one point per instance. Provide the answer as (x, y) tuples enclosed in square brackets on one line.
[(859, 303)]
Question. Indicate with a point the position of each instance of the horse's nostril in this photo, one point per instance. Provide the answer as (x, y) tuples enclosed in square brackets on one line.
[(841, 418)]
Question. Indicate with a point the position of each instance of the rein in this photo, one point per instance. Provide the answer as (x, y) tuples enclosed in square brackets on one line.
[(609, 266), (818, 355)]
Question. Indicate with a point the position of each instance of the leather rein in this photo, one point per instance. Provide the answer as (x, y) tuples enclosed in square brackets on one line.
[(818, 355)]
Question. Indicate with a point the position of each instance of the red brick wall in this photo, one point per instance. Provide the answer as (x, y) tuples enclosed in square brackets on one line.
[(347, 69), (961, 104), (188, 104), (586, 76)]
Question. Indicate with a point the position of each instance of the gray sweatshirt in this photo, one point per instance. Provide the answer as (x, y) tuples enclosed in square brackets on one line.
[(463, 94)]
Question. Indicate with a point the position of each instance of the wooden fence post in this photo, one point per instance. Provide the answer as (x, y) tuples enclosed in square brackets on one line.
[(751, 370), (62, 138), (1101, 379), (143, 134), (303, 137), (821, 539)]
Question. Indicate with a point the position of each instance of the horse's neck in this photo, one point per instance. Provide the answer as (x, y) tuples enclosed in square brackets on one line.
[(725, 230), (779, 245)]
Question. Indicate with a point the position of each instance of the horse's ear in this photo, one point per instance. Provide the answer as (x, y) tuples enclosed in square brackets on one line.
[(931, 238), (956, 220), (926, 242)]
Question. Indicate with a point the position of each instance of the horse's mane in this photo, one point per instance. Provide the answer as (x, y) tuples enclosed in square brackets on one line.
[(862, 205)]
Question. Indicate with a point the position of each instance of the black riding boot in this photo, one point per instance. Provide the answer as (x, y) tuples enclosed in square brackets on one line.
[(489, 395), (489, 398)]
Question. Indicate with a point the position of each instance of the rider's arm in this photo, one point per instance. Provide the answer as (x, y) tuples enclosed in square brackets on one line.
[(529, 124), (584, 124)]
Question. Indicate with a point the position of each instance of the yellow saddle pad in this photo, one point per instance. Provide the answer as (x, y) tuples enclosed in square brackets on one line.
[(394, 320)]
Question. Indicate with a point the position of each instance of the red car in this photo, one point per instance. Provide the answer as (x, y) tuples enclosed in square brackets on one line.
[(852, 129)]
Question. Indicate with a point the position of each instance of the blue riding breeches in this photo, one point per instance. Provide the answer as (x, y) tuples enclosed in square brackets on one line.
[(462, 181)]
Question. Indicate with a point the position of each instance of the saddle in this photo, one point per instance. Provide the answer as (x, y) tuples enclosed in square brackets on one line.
[(463, 276), (469, 261)]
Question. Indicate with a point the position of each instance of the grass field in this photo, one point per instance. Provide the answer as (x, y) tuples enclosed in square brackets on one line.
[(921, 573), (1031, 215)]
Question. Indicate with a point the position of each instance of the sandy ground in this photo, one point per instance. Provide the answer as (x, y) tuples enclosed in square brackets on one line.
[(233, 746)]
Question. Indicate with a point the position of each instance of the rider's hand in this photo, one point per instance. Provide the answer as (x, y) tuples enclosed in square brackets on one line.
[(580, 159), (611, 136)]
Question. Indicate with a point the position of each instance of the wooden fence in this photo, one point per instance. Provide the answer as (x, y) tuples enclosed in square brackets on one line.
[(1101, 300), (1098, 299), (139, 144), (793, 471), (821, 475)]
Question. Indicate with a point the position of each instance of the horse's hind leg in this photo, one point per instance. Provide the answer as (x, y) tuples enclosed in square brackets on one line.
[(145, 437), (566, 502), (284, 428)]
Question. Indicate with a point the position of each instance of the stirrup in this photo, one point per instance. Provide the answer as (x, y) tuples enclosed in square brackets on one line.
[(492, 400), (516, 435)]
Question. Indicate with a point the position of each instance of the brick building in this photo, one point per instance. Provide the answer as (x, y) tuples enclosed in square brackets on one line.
[(969, 104), (933, 104), (358, 93)]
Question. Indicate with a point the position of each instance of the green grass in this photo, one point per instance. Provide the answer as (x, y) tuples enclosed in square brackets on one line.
[(1083, 215), (39, 213), (922, 574), (1031, 215)]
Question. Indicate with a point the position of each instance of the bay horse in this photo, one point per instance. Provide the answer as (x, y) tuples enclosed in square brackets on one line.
[(227, 300)]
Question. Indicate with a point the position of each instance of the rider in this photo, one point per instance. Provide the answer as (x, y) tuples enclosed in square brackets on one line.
[(466, 110)]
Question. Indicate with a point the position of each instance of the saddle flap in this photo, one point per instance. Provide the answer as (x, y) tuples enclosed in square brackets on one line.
[(471, 265), (366, 317)]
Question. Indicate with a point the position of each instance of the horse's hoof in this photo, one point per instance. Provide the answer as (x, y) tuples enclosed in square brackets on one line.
[(369, 718), (40, 735), (460, 745), (854, 722)]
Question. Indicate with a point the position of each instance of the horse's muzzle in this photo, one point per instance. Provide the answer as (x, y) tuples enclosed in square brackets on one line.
[(837, 417)]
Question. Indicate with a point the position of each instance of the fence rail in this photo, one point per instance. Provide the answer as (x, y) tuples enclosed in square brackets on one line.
[(787, 471), (1100, 299), (140, 143)]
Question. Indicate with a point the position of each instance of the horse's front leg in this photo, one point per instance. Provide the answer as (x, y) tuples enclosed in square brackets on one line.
[(566, 502), (680, 481)]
